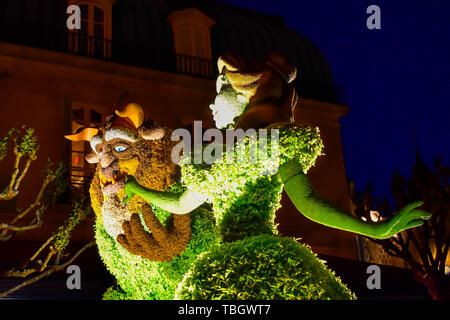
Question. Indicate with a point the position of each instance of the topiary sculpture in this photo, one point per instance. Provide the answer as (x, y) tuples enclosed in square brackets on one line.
[(235, 251)]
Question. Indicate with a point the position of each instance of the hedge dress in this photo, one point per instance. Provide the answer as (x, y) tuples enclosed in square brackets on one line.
[(252, 261)]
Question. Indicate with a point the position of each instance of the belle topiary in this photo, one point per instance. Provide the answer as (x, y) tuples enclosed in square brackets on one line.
[(253, 262)]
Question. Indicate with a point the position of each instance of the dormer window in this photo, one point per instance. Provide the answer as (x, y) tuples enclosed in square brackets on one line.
[(191, 33), (94, 36)]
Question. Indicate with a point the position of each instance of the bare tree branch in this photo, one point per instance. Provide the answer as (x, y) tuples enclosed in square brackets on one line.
[(49, 271)]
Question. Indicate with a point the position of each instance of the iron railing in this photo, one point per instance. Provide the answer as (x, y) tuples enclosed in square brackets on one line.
[(89, 46), (102, 48), (194, 66)]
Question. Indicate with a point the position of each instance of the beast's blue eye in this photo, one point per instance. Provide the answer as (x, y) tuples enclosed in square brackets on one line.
[(120, 148)]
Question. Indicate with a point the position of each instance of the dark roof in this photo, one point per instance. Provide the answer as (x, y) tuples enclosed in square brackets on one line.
[(142, 36)]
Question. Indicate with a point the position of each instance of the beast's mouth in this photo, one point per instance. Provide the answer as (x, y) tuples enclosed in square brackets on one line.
[(114, 184)]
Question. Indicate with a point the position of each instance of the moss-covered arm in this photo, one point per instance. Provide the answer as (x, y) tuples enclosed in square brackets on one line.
[(178, 203), (312, 206)]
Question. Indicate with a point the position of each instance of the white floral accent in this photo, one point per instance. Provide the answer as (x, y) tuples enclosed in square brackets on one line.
[(114, 213)]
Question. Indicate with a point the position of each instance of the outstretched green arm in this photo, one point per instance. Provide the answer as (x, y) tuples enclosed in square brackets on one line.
[(178, 203), (312, 206)]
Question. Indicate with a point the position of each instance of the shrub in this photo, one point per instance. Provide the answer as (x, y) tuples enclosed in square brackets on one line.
[(261, 268)]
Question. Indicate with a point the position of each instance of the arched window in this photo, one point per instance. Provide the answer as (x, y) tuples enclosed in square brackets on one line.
[(94, 36)]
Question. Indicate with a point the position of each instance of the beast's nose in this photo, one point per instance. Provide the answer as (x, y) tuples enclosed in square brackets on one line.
[(106, 157), (110, 170)]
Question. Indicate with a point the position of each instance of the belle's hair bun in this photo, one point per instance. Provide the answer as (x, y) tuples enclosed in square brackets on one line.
[(278, 62)]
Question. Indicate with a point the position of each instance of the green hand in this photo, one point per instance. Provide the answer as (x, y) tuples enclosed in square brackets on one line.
[(312, 206), (408, 217), (130, 183), (175, 202)]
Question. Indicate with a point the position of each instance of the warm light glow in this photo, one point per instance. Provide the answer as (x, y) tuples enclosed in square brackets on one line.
[(375, 216)]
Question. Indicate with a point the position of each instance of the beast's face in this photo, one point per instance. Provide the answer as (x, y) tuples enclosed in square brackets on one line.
[(119, 153), (126, 145)]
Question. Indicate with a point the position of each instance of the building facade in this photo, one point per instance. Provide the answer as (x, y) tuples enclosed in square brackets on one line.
[(162, 54)]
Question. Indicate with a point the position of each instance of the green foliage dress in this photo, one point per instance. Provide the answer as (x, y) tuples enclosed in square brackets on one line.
[(253, 262)]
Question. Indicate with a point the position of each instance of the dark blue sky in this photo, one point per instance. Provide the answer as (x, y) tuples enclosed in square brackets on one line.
[(395, 80)]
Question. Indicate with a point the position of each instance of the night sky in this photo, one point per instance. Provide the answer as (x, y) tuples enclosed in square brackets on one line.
[(395, 80)]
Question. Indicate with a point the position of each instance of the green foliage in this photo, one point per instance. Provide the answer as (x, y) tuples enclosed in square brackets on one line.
[(4, 144), (28, 144), (115, 293), (140, 278), (261, 268), (25, 143), (244, 197), (252, 212), (62, 236), (58, 179), (301, 143)]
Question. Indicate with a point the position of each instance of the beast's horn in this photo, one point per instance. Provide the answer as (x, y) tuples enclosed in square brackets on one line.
[(82, 134), (152, 133), (134, 112)]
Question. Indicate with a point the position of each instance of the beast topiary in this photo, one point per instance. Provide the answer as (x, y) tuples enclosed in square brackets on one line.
[(129, 145)]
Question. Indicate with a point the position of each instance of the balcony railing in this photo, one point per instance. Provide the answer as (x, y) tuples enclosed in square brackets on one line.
[(89, 46), (194, 66)]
